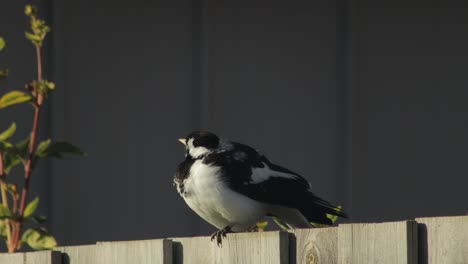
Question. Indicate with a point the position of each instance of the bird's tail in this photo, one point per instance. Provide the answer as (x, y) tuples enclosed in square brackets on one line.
[(319, 211)]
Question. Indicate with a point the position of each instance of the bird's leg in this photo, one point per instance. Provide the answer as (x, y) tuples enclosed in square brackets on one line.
[(253, 228), (220, 234)]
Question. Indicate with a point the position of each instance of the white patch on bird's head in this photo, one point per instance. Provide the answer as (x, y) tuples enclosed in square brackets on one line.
[(196, 152), (199, 151)]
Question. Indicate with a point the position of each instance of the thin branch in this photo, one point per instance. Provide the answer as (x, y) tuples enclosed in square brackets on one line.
[(32, 148)]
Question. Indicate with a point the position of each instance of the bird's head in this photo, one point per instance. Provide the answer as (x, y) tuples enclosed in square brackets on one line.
[(200, 143)]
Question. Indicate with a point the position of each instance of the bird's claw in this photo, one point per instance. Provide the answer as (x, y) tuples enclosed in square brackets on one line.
[(253, 228), (220, 234)]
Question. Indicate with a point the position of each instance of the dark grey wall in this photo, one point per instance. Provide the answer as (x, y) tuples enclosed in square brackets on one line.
[(366, 100), (409, 86)]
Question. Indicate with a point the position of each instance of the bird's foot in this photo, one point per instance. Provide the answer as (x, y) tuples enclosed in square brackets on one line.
[(220, 234), (253, 228)]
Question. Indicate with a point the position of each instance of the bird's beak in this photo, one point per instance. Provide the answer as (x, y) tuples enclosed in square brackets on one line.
[(182, 140)]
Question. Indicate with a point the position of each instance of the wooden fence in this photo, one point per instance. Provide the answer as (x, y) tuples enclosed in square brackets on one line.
[(437, 240)]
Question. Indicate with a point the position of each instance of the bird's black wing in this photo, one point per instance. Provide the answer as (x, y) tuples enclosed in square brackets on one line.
[(253, 175)]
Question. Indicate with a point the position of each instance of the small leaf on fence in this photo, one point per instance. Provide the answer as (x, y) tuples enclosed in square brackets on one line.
[(261, 225), (4, 212), (38, 239), (31, 208), (2, 43), (280, 223), (8, 133), (14, 97)]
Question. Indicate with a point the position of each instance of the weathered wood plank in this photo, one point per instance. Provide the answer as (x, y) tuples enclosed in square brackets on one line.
[(258, 248), (443, 240), (314, 246), (393, 243), (14, 258), (156, 251), (86, 254), (42, 257)]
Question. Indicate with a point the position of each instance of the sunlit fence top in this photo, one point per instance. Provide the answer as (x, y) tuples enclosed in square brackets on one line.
[(424, 240)]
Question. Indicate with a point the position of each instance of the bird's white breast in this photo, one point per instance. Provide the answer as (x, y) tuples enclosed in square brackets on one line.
[(209, 196)]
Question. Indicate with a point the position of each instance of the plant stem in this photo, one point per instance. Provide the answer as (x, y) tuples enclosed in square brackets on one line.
[(28, 169), (3, 187), (32, 148), (40, 98), (2, 182)]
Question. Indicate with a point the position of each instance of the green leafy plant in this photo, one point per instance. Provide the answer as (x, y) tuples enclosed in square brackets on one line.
[(15, 213)]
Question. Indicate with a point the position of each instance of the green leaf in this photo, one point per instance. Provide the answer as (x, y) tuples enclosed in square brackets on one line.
[(38, 239), (41, 150), (2, 43), (23, 146), (59, 148), (31, 208), (4, 73), (40, 219), (45, 87), (6, 146), (10, 161), (50, 85), (14, 155), (35, 39), (8, 133), (280, 223), (4, 212), (14, 97), (30, 10), (3, 229), (11, 188)]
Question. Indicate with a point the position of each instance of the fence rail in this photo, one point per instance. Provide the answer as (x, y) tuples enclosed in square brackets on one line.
[(437, 240)]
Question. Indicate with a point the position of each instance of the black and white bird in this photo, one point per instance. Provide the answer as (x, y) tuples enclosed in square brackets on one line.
[(232, 186)]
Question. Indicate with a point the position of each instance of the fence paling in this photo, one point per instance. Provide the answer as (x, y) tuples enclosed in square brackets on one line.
[(318, 245), (264, 247), (444, 240), (394, 242)]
